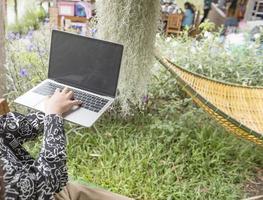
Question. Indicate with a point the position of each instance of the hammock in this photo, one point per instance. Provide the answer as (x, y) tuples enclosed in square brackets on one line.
[(238, 108)]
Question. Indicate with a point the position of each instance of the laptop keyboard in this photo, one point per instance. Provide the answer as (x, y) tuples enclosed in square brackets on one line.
[(89, 101)]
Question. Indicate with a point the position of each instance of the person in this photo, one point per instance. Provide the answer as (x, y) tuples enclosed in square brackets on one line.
[(169, 7), (2, 191), (46, 176), (207, 8), (189, 13), (172, 8), (164, 7)]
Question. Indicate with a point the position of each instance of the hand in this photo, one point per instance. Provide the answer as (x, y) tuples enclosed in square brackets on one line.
[(60, 102)]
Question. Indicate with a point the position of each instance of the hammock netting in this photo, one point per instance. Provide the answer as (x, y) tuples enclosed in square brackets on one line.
[(238, 108)]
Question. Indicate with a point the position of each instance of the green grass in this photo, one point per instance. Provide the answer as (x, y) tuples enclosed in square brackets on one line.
[(151, 157), (162, 154), (171, 149)]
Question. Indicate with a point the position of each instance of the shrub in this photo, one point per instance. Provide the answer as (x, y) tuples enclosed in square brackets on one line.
[(210, 56), (27, 61), (30, 21), (169, 152)]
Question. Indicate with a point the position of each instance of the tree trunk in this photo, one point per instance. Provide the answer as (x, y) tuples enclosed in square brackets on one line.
[(132, 23), (15, 9), (2, 47)]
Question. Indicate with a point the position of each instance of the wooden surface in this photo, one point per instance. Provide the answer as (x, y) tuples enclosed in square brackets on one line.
[(174, 23), (3, 107), (72, 19)]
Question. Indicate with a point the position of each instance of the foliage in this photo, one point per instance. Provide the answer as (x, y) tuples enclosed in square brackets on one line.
[(27, 61), (134, 24), (210, 56), (207, 26), (31, 20), (160, 155), (169, 150)]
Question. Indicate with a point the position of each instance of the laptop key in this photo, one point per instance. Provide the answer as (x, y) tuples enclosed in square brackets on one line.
[(89, 101)]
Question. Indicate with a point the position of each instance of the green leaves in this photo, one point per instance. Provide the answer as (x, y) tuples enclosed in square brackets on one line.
[(208, 56), (169, 150)]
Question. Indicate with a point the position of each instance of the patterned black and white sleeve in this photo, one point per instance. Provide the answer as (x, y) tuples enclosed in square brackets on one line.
[(51, 162), (23, 127)]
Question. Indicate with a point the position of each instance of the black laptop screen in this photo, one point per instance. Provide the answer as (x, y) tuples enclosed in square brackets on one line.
[(83, 62)]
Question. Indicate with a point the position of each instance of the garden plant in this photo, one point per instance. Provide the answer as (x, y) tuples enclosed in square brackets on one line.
[(168, 148)]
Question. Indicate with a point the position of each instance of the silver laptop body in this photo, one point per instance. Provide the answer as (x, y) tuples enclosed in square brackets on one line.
[(88, 66)]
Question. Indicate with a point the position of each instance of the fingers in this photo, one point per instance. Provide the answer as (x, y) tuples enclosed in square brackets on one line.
[(70, 94), (65, 90), (75, 103), (47, 97), (57, 90)]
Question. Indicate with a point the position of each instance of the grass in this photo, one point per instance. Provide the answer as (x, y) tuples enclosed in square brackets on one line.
[(162, 154), (152, 157), (171, 149)]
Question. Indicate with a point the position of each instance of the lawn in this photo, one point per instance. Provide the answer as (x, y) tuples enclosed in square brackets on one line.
[(169, 149), (162, 153)]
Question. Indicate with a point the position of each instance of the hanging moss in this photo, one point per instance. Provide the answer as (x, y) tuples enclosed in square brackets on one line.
[(132, 23)]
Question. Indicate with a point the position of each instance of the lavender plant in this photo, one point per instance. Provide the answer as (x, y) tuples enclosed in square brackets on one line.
[(27, 60)]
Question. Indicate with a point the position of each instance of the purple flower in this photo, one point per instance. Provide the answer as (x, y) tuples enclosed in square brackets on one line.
[(11, 36), (42, 52), (46, 20), (29, 37), (30, 47), (93, 32), (145, 99), (18, 36), (23, 72), (29, 34)]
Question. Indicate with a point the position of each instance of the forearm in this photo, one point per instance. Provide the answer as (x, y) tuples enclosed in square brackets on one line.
[(48, 173), (52, 158), (22, 127)]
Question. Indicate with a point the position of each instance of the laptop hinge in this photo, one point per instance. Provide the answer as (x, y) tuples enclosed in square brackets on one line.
[(79, 87)]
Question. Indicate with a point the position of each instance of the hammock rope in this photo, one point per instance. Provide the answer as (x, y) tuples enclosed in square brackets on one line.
[(238, 108)]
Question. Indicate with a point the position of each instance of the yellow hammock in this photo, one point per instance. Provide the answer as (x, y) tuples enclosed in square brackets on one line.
[(238, 108)]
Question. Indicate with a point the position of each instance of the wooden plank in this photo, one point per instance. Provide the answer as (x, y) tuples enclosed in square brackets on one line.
[(3, 107)]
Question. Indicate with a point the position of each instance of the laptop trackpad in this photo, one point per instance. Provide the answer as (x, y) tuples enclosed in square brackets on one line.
[(30, 99), (73, 109), (41, 107)]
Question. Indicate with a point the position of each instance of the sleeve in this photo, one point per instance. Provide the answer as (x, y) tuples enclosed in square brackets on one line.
[(51, 162), (23, 127), (48, 173)]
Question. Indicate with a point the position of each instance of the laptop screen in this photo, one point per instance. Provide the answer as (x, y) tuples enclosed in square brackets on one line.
[(85, 63)]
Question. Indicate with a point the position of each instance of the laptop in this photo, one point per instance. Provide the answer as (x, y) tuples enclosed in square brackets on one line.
[(89, 67)]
